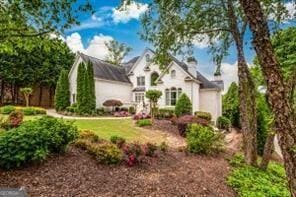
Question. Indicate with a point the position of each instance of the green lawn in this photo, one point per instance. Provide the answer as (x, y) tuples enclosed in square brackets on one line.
[(123, 128), (120, 127)]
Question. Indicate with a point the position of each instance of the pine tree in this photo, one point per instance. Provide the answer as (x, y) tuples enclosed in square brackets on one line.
[(92, 95), (62, 94), (183, 105), (81, 87)]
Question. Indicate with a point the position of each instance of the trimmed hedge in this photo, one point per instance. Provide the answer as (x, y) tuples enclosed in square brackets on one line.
[(203, 115), (26, 110), (223, 123), (183, 106), (165, 113)]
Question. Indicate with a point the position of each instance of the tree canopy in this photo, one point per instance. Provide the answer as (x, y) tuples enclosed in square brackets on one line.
[(116, 52)]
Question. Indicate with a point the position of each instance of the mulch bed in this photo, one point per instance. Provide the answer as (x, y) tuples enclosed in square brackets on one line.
[(164, 125), (77, 174)]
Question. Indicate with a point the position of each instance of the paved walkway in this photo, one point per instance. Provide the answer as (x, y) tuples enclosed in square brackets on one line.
[(53, 113)]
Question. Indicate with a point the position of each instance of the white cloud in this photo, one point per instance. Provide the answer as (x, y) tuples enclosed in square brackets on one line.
[(74, 42), (229, 74), (96, 47), (128, 12), (291, 8)]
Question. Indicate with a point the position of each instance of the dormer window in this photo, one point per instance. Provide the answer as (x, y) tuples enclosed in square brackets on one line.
[(173, 73), (147, 58)]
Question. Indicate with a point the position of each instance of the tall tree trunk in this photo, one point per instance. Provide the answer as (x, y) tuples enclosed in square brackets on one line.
[(247, 93), (268, 149), (276, 90)]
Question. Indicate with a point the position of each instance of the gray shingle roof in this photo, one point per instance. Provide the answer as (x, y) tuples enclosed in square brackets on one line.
[(104, 70)]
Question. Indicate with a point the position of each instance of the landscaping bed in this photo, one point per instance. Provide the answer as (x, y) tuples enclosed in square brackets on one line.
[(77, 174)]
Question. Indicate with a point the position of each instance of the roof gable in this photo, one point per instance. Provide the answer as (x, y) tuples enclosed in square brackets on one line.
[(105, 70)]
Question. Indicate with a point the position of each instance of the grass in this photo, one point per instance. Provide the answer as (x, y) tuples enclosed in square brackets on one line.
[(106, 128), (249, 181), (123, 128)]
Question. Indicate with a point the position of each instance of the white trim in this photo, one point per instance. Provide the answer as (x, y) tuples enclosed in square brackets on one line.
[(74, 64), (139, 59)]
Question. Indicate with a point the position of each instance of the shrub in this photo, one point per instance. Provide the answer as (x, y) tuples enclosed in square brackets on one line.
[(203, 115), (252, 181), (62, 92), (133, 154), (132, 110), (149, 149), (7, 109), (144, 122), (89, 135), (119, 141), (184, 121), (223, 123), (203, 140), (141, 116), (121, 114), (183, 105), (73, 108), (14, 120), (29, 111), (106, 153), (101, 111), (34, 140), (166, 113)]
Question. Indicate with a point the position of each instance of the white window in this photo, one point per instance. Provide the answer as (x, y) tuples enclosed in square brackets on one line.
[(139, 97), (172, 95), (173, 73), (141, 81)]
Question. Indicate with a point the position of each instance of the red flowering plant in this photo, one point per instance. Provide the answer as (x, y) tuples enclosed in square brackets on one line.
[(133, 154), (141, 115), (14, 120)]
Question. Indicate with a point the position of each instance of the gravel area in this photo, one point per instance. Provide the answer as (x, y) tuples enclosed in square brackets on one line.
[(77, 174)]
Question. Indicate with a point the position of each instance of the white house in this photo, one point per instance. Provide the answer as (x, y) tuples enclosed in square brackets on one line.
[(129, 81)]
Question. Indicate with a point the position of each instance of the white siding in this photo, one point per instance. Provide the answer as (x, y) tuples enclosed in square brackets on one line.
[(73, 78), (112, 90), (211, 101)]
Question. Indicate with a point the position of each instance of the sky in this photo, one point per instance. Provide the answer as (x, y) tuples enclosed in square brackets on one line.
[(108, 23)]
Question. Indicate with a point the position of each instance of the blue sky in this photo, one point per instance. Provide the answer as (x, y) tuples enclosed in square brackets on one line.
[(108, 23)]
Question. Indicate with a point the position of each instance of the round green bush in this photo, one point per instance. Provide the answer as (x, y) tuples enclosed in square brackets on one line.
[(106, 153), (203, 115), (183, 106), (34, 140), (7, 109), (203, 140), (29, 111), (223, 123)]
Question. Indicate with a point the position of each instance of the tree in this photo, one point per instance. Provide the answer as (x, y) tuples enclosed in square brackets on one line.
[(276, 88), (92, 94), (116, 52), (153, 96), (230, 103), (62, 93), (28, 19), (27, 92), (221, 23), (18, 67), (183, 105)]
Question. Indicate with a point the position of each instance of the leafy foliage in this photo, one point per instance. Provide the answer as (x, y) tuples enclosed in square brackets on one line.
[(143, 122), (119, 141), (223, 123), (116, 52), (230, 104), (27, 91), (86, 100), (204, 115), (166, 113), (34, 140), (15, 119), (7, 109), (185, 121), (251, 181), (183, 105), (62, 93), (203, 140), (153, 96)]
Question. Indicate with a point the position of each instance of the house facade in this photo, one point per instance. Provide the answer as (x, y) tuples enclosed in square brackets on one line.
[(129, 82)]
